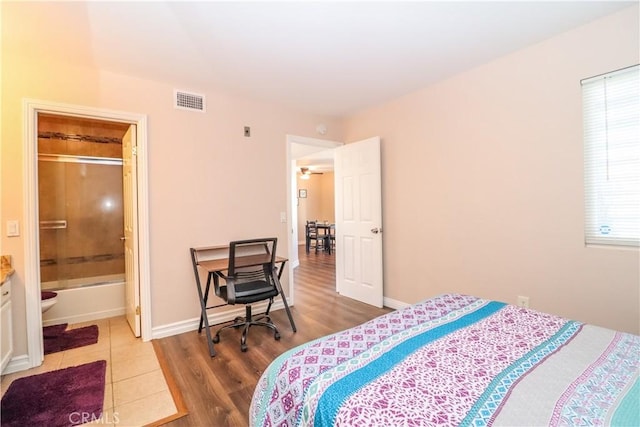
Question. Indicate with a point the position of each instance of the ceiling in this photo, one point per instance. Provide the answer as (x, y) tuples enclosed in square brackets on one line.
[(330, 58)]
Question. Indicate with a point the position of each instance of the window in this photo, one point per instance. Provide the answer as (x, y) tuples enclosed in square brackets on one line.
[(611, 104)]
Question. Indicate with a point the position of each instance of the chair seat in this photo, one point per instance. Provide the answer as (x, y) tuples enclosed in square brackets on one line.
[(249, 292)]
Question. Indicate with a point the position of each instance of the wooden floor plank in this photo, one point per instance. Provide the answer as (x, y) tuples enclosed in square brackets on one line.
[(217, 391)]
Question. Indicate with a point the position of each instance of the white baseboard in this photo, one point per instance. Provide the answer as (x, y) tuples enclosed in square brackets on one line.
[(17, 364), (395, 304), (214, 319), (227, 316)]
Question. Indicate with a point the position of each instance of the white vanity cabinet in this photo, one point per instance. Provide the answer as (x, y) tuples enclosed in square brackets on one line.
[(6, 330)]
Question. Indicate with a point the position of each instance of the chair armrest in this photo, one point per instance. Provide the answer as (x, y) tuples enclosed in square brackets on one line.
[(231, 288)]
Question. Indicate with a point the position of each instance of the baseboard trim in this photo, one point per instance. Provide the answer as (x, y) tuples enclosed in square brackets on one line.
[(214, 319), (17, 364), (395, 304), (189, 325)]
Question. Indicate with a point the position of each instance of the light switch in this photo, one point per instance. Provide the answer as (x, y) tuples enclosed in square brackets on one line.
[(13, 228), (283, 217)]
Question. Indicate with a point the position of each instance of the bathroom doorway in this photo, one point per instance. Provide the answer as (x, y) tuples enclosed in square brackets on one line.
[(81, 217), (137, 195)]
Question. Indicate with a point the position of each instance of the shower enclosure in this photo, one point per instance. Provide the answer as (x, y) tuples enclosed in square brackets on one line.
[(80, 204), (81, 222)]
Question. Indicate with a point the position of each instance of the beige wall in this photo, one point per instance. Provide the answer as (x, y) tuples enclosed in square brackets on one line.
[(482, 174), (208, 184), (319, 203), (483, 183)]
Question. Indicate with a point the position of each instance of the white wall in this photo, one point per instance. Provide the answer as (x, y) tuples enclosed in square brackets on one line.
[(483, 182)]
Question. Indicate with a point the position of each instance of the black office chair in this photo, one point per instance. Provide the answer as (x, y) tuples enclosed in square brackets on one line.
[(248, 285)]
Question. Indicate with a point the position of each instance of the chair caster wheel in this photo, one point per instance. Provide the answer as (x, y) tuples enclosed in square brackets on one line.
[(243, 348), (215, 339), (276, 336)]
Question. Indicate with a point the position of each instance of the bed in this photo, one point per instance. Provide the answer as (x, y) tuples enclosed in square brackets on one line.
[(456, 360)]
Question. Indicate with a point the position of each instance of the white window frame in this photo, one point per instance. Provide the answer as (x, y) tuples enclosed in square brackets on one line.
[(611, 112)]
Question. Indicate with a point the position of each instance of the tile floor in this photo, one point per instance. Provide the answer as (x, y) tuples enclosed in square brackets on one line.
[(136, 392)]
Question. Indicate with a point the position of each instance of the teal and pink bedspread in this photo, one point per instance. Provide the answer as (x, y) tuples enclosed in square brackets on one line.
[(456, 360)]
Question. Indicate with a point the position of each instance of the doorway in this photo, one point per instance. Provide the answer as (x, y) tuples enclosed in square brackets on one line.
[(80, 203), (34, 110), (358, 216), (297, 148)]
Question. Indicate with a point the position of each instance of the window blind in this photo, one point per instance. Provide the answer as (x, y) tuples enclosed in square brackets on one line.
[(611, 109)]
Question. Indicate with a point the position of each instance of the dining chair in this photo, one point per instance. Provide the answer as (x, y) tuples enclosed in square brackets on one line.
[(332, 238), (248, 285), (312, 236)]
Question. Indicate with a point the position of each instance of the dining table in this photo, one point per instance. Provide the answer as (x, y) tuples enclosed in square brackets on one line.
[(328, 231)]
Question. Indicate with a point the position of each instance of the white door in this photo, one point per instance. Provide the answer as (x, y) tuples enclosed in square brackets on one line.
[(132, 284), (359, 221)]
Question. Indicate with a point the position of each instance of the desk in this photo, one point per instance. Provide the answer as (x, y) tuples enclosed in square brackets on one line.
[(325, 236), (215, 268)]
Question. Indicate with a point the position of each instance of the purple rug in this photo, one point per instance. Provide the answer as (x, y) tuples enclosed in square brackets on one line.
[(66, 340), (54, 330), (60, 398)]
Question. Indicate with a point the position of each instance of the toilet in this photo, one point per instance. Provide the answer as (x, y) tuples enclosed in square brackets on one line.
[(49, 299)]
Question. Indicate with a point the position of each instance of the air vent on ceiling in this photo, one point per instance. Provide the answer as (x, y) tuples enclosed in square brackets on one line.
[(189, 101)]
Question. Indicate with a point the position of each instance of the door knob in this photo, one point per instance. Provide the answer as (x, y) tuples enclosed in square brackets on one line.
[(376, 230), (122, 238)]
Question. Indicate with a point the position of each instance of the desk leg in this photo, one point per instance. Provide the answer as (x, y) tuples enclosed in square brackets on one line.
[(203, 304), (284, 299), (203, 316), (205, 297)]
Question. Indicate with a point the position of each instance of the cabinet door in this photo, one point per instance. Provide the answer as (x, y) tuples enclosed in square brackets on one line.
[(6, 333)]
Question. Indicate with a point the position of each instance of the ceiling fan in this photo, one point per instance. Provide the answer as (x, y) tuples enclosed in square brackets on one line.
[(306, 173)]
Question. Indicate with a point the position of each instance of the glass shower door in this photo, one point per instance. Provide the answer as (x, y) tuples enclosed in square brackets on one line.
[(81, 221)]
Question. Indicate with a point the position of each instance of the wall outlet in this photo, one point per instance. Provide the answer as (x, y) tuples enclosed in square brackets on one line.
[(247, 131), (522, 301)]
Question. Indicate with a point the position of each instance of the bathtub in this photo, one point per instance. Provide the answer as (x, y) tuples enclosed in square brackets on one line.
[(86, 303)]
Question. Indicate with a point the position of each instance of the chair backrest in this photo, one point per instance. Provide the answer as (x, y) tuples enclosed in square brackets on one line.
[(311, 228), (251, 274), (261, 252)]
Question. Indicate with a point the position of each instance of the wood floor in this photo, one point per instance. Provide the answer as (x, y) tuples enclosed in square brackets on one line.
[(217, 391)]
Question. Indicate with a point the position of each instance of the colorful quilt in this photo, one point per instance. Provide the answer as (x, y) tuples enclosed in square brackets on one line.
[(456, 360)]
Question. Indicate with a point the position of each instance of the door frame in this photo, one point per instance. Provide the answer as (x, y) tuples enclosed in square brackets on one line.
[(31, 109), (322, 144)]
